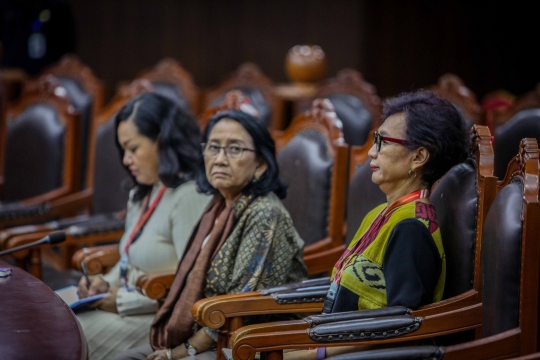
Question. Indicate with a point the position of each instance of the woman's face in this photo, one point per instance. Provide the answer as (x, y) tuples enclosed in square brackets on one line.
[(140, 153), (230, 175), (391, 164)]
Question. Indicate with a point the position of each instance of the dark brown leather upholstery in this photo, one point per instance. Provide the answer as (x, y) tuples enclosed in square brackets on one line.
[(83, 103), (357, 120), (525, 123), (363, 196), (306, 166), (34, 153), (399, 353), (501, 261), (455, 198), (109, 173)]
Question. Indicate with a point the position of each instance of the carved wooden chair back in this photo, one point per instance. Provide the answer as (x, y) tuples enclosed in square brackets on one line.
[(525, 123), (452, 88), (257, 87), (41, 145), (41, 156), (234, 100), (171, 80), (84, 90), (306, 153), (356, 103)]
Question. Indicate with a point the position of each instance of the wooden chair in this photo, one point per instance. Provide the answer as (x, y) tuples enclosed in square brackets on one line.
[(41, 162), (235, 100), (452, 88), (171, 80), (84, 90), (510, 271), (103, 199), (249, 79), (505, 105), (525, 123), (356, 103), (311, 154), (226, 312)]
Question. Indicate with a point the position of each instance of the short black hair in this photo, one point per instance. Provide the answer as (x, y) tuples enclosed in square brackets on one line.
[(434, 123), (176, 132), (265, 149)]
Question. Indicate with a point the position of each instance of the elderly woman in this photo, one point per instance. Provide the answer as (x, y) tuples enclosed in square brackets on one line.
[(245, 240), (396, 256), (159, 146)]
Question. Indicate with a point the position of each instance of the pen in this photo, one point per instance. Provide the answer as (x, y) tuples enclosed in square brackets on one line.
[(85, 273)]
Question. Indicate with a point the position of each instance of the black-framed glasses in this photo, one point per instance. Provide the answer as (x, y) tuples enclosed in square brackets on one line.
[(378, 138), (231, 151)]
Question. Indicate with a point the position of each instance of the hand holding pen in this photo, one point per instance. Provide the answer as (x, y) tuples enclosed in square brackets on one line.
[(85, 274)]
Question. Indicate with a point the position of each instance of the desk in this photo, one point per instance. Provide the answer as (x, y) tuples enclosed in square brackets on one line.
[(35, 323)]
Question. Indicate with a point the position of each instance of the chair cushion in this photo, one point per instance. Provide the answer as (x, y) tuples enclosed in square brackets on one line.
[(363, 196), (34, 157), (456, 201), (524, 124), (306, 166), (357, 120), (501, 261), (109, 173)]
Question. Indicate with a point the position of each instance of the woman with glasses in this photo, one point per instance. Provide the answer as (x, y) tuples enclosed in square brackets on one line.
[(159, 146), (245, 239), (397, 256)]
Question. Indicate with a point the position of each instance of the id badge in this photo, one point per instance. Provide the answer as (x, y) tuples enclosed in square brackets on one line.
[(330, 296)]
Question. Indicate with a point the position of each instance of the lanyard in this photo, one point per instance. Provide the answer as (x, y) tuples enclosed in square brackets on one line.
[(375, 226), (137, 229)]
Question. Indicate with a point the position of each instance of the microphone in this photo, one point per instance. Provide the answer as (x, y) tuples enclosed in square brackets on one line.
[(52, 238)]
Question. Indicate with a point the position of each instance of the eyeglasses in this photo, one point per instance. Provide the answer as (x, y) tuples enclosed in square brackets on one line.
[(378, 138), (231, 151)]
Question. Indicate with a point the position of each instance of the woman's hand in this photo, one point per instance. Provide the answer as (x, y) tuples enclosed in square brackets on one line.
[(108, 303), (157, 355), (97, 286)]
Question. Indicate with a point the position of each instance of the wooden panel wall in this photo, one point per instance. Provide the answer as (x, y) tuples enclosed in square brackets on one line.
[(398, 45)]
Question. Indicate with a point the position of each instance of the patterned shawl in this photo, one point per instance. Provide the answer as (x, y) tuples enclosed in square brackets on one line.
[(253, 244)]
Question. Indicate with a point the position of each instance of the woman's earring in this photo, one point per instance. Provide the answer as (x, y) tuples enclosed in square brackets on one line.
[(410, 173), (255, 177)]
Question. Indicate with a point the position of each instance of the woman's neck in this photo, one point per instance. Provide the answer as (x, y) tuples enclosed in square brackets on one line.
[(404, 190)]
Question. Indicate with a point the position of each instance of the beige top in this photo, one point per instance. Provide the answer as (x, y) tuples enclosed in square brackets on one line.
[(161, 243)]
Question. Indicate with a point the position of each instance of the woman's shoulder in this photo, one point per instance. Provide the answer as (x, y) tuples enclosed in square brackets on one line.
[(187, 190)]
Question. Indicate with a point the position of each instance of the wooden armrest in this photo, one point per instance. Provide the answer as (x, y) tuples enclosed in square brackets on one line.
[(98, 259), (318, 246), (249, 340), (324, 261), (72, 203), (7, 234), (155, 286), (215, 312)]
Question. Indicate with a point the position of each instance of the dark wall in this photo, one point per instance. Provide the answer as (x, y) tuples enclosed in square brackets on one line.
[(397, 45), (212, 37)]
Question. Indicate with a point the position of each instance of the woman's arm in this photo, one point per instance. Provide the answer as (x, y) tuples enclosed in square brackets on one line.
[(412, 265)]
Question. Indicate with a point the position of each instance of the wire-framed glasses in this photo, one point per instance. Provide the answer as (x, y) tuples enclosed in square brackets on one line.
[(378, 138), (231, 151)]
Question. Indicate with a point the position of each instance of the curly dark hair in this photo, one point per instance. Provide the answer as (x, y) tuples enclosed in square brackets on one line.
[(265, 149), (175, 130), (436, 124)]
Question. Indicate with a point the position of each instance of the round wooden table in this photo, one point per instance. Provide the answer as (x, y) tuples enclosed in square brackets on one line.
[(35, 323)]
